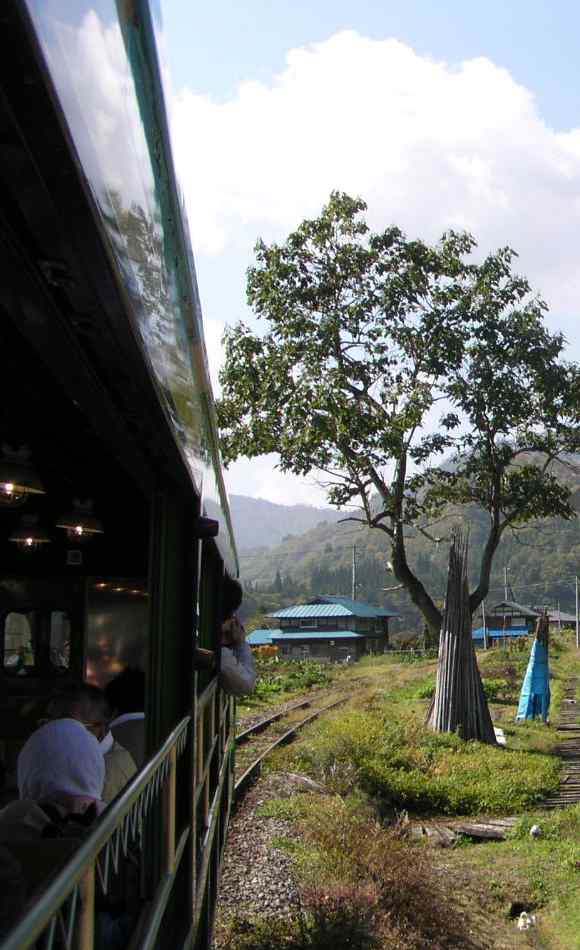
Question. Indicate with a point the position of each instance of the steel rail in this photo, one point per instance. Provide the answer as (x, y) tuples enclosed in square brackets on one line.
[(261, 726), (253, 770)]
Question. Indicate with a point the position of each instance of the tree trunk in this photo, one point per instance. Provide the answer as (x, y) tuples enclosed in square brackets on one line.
[(414, 587), (459, 704), (491, 546)]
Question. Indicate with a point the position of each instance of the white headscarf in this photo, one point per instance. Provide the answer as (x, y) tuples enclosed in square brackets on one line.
[(62, 758)]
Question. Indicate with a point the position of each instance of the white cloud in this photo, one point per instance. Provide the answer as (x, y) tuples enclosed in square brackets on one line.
[(429, 145), (258, 478)]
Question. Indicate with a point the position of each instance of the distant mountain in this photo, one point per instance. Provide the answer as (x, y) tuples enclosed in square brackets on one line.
[(542, 561), (263, 524)]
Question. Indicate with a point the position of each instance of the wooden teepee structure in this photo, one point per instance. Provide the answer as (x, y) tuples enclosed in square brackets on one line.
[(459, 704)]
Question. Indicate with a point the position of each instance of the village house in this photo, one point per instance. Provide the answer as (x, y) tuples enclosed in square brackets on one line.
[(327, 628), (558, 619), (506, 621)]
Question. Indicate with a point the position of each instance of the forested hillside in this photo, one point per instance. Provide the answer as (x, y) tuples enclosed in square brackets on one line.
[(542, 561), (258, 523)]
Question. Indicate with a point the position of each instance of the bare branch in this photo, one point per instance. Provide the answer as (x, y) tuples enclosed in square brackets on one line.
[(429, 536)]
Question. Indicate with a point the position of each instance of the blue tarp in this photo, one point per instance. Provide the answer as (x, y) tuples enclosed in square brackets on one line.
[(535, 694), (496, 633)]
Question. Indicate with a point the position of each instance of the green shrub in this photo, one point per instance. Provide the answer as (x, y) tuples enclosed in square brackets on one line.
[(426, 692), (495, 689), (413, 656), (339, 917), (275, 676), (286, 809), (392, 756)]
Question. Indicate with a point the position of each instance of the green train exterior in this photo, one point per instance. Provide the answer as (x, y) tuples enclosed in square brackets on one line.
[(106, 394)]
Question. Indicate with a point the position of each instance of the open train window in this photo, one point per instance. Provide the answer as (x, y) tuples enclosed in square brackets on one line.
[(18, 636), (36, 641)]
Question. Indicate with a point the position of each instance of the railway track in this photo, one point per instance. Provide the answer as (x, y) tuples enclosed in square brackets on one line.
[(255, 744), (568, 727)]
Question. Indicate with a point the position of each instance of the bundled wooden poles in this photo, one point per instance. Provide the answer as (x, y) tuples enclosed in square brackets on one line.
[(459, 704)]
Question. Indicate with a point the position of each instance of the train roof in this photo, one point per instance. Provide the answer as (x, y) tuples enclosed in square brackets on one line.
[(102, 282)]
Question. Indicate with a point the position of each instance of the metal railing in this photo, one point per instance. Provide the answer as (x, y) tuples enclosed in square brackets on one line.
[(63, 916), (214, 717)]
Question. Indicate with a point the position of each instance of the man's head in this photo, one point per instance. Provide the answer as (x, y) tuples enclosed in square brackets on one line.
[(87, 704), (232, 595), (126, 692)]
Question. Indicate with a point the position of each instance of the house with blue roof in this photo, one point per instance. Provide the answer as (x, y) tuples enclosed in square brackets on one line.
[(327, 627), (507, 621)]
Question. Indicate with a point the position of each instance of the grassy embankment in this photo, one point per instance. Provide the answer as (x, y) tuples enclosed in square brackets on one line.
[(364, 882)]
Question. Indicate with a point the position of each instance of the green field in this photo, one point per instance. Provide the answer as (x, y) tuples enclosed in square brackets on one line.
[(378, 762)]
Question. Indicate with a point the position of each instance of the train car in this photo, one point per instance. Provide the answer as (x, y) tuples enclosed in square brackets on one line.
[(115, 533)]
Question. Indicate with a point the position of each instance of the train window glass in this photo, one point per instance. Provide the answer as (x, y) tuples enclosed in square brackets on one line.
[(60, 633), (18, 638)]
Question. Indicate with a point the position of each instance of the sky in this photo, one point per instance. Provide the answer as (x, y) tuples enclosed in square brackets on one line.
[(447, 114)]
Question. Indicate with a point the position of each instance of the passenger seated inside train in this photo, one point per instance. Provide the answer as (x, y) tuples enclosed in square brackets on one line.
[(237, 669), (60, 779), (88, 705), (126, 697), (61, 772)]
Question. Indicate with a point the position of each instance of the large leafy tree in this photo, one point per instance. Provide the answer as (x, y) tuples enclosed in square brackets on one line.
[(414, 377)]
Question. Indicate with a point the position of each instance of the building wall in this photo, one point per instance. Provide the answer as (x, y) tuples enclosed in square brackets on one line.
[(323, 651)]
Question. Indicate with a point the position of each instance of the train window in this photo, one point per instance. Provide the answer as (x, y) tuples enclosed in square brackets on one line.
[(18, 640), (60, 635)]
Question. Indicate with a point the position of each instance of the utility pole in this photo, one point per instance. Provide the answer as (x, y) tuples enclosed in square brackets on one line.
[(577, 619), (505, 583), (354, 572), (559, 619), (485, 639)]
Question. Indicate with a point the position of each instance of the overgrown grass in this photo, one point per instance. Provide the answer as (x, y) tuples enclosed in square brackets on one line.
[(359, 889), (278, 679), (496, 690), (337, 919), (378, 757), (542, 874), (384, 748), (387, 752)]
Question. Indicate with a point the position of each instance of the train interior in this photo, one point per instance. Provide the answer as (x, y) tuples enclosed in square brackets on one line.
[(73, 582), (79, 419), (104, 559)]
